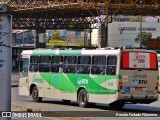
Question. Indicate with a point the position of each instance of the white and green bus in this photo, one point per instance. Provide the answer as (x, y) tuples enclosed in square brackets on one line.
[(111, 76)]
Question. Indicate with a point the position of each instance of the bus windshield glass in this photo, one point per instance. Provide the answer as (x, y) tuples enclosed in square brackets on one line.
[(139, 60)]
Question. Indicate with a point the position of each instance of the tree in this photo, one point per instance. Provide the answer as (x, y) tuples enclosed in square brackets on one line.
[(134, 19), (145, 37), (56, 35)]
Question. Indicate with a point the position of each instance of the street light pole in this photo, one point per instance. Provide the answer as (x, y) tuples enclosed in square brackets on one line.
[(5, 59), (140, 35), (107, 8), (121, 32)]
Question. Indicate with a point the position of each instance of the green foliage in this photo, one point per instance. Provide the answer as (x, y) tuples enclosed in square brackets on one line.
[(58, 43), (134, 19), (56, 35), (145, 37)]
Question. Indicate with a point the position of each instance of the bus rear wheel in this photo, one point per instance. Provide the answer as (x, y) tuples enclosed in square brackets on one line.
[(82, 98), (35, 95)]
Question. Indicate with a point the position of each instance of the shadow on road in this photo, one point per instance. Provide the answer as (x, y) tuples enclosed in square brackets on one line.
[(127, 108)]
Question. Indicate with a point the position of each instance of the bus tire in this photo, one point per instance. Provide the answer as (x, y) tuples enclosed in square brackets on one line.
[(82, 98), (35, 95), (117, 105)]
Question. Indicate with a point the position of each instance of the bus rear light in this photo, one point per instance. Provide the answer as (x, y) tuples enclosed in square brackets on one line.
[(120, 85)]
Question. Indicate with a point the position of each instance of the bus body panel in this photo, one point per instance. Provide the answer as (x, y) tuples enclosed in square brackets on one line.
[(138, 88), (38, 79), (138, 84), (63, 86), (106, 91), (23, 87), (158, 55)]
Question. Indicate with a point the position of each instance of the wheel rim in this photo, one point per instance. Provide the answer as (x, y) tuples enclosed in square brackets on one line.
[(35, 94), (83, 98)]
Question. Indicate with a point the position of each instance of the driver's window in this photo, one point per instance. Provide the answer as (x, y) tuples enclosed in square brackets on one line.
[(24, 64)]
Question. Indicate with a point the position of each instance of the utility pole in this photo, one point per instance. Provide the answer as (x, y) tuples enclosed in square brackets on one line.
[(37, 39), (107, 14), (140, 35), (5, 59)]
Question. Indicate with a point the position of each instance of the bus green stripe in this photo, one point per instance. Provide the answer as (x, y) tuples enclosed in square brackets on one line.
[(68, 83), (44, 52), (53, 52), (69, 52)]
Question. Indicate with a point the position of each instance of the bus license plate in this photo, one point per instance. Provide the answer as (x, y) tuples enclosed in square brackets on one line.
[(139, 88)]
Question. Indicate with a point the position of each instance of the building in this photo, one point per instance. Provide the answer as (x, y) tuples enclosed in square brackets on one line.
[(21, 40), (124, 33), (22, 37)]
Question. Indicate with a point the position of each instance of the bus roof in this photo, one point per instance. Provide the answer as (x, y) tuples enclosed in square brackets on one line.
[(78, 52)]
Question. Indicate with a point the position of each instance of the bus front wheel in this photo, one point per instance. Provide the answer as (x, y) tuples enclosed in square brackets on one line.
[(82, 98), (35, 95)]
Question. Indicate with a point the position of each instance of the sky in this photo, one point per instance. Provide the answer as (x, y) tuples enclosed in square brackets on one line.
[(151, 19)]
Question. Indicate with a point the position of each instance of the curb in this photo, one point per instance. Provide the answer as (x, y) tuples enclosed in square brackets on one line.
[(25, 108), (14, 85), (47, 113)]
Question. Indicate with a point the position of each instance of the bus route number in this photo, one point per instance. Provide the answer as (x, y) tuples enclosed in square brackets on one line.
[(110, 83), (84, 81)]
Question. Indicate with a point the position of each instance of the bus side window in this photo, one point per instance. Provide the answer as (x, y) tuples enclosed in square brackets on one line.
[(111, 65), (44, 64), (98, 65), (70, 64), (57, 64), (34, 60), (83, 66)]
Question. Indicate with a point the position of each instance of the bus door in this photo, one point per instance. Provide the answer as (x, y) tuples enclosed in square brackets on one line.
[(139, 73), (23, 77)]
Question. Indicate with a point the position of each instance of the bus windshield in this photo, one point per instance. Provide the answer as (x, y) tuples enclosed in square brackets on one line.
[(138, 60)]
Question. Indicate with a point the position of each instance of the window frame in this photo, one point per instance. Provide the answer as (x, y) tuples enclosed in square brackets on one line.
[(114, 66), (34, 64), (86, 66), (55, 65), (69, 66), (42, 65), (98, 66), (121, 62)]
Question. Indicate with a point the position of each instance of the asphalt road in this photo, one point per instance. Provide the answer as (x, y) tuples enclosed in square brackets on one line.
[(23, 103)]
